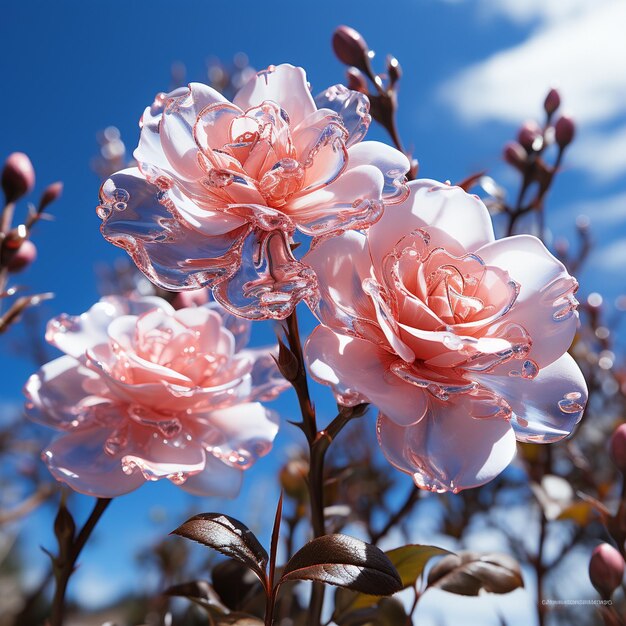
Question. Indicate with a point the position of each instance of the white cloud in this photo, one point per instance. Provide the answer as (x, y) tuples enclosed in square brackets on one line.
[(578, 47), (603, 152), (543, 11)]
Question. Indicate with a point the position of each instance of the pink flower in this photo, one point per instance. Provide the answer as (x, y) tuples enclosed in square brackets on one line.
[(146, 392), (221, 187), (458, 339)]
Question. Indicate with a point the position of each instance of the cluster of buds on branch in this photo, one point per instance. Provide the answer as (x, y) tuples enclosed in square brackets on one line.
[(351, 49), (17, 251), (528, 156)]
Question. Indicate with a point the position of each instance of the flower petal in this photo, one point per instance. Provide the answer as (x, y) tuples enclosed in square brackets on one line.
[(454, 220), (58, 392), (75, 334), (269, 282), (547, 408), (285, 85), (358, 371), (216, 479), (352, 106), (341, 264), (267, 381), (545, 306), (448, 450), (78, 459), (352, 202), (391, 162), (164, 246), (238, 435)]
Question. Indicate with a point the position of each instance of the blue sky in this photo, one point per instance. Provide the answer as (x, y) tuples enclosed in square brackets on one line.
[(473, 70)]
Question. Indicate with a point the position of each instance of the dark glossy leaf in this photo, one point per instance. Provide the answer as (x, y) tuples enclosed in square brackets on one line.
[(201, 593), (346, 562), (227, 535), (238, 587), (468, 572), (409, 562)]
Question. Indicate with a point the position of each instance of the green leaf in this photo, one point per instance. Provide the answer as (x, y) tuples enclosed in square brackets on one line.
[(346, 562), (411, 560)]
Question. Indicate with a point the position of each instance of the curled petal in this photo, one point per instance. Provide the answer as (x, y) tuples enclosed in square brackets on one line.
[(165, 247), (238, 435), (456, 221), (75, 334), (546, 405), (269, 282), (320, 144), (391, 162), (352, 202), (341, 264), (176, 128), (267, 381), (77, 459), (448, 450), (59, 393), (358, 371), (546, 305), (283, 84), (352, 106)]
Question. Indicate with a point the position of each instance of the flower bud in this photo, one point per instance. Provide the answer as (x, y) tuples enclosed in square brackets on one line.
[(617, 448), (22, 257), (350, 47), (51, 194), (528, 135), (564, 131), (514, 154), (552, 101), (18, 176), (185, 299), (606, 569), (356, 80), (393, 69), (293, 479)]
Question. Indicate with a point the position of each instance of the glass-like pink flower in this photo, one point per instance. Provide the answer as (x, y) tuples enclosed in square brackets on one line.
[(460, 340), (145, 392), (220, 188)]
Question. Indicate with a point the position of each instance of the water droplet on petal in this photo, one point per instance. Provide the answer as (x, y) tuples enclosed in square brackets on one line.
[(569, 404), (529, 370)]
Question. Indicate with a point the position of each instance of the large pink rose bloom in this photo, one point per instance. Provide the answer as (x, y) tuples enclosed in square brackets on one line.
[(146, 392), (221, 187), (458, 339)]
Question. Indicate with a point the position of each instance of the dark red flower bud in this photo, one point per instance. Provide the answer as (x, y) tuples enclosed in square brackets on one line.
[(528, 135), (514, 155), (18, 176), (617, 447), (564, 131), (51, 194), (350, 47), (22, 257), (356, 80), (394, 70), (606, 569), (552, 101)]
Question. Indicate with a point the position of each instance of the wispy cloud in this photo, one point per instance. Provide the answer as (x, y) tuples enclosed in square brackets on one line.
[(577, 46)]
